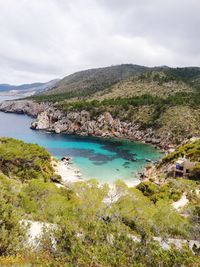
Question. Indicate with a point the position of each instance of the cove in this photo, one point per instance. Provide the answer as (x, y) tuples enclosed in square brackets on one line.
[(104, 159)]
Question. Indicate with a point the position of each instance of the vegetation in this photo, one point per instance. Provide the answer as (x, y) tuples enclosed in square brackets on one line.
[(155, 192), (189, 150), (91, 228), (89, 231), (24, 161), (124, 81), (165, 99), (101, 81), (187, 75), (191, 99), (11, 233), (88, 82), (176, 116)]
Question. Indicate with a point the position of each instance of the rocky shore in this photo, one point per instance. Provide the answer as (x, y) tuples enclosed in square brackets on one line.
[(23, 107), (49, 118)]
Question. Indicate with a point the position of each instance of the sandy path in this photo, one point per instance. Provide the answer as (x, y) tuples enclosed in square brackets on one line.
[(181, 202)]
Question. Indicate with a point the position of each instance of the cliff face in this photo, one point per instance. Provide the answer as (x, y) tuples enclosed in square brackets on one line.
[(23, 107), (81, 123)]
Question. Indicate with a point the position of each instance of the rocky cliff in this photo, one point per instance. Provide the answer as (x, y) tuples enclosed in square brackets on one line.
[(81, 123), (52, 119), (23, 107)]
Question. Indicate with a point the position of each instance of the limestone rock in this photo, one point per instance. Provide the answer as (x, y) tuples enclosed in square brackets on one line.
[(23, 107), (42, 122), (81, 122)]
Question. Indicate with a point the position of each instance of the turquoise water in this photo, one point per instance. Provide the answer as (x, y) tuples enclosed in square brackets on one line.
[(103, 159)]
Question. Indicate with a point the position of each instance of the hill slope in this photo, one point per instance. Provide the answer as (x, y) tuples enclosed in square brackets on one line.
[(84, 227), (22, 161), (123, 81), (93, 80)]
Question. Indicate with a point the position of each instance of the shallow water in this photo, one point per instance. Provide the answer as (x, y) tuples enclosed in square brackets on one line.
[(103, 159)]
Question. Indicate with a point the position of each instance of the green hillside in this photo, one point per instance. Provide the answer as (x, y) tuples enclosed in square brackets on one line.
[(22, 161), (125, 81), (88, 229), (166, 99), (87, 82)]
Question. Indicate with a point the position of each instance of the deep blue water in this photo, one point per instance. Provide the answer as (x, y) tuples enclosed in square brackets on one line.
[(103, 159)]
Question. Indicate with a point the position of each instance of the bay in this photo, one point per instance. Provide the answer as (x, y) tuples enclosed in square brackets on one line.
[(106, 160)]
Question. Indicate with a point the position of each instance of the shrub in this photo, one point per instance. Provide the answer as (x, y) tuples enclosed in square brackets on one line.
[(23, 161)]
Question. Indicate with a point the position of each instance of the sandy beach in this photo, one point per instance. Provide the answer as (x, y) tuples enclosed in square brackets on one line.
[(71, 174), (67, 171)]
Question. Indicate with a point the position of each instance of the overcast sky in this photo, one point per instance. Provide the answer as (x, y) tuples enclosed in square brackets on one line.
[(44, 39)]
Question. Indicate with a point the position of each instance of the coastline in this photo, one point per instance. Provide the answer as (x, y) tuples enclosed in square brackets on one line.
[(71, 174), (47, 117)]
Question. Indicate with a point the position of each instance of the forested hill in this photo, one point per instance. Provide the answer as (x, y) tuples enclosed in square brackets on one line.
[(92, 80), (127, 77), (162, 98)]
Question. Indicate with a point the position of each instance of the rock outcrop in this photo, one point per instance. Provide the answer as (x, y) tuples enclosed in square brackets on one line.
[(23, 107), (42, 122), (81, 123), (48, 117)]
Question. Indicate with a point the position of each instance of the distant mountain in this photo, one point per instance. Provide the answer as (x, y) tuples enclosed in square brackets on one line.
[(27, 89), (100, 81)]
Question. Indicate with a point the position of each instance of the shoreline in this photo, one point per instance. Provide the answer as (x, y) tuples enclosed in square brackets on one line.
[(162, 149), (128, 139), (43, 121), (71, 174)]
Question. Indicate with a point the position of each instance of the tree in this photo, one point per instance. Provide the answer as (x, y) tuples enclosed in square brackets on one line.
[(12, 233)]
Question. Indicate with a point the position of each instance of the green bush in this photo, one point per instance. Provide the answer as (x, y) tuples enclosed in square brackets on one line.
[(23, 161), (155, 192)]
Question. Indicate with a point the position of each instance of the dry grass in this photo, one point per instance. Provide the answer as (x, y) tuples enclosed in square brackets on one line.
[(180, 122), (134, 87)]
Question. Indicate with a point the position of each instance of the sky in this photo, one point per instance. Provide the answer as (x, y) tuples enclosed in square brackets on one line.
[(41, 40)]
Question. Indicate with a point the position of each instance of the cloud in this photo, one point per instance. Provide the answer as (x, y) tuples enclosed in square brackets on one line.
[(46, 39)]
